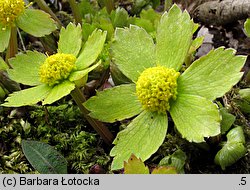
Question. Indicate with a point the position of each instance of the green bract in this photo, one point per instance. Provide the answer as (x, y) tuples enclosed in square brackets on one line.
[(54, 76), (192, 110), (14, 13)]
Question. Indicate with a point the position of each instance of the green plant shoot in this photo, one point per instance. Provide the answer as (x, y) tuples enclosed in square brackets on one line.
[(58, 75), (55, 76), (158, 87)]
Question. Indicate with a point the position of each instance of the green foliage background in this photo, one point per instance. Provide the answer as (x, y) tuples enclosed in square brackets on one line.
[(60, 126)]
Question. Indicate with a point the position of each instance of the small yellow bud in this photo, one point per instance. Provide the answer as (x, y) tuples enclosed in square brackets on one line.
[(155, 87), (10, 10), (56, 68)]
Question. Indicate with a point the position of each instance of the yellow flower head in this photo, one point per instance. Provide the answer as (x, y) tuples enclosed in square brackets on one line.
[(57, 67), (155, 87), (10, 10)]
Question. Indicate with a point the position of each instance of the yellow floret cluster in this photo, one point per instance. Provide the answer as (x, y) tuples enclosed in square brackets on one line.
[(155, 87), (56, 68), (10, 10)]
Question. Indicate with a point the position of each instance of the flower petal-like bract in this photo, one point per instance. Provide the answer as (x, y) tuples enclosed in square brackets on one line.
[(133, 50), (114, 104), (142, 137)]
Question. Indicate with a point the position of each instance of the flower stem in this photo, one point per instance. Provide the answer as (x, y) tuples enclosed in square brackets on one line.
[(99, 127), (75, 11), (42, 4), (13, 47)]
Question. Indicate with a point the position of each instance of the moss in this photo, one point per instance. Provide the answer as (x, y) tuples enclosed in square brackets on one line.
[(60, 126)]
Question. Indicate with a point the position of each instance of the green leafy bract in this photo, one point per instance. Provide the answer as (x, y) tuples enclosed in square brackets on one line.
[(44, 158), (195, 117), (91, 49), (112, 104), (173, 38), (142, 137), (28, 96), (135, 165), (36, 22), (212, 75), (19, 71), (58, 91), (66, 44), (134, 51), (233, 149), (80, 74), (5, 37)]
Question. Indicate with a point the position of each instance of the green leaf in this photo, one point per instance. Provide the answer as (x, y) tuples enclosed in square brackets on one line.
[(151, 15), (196, 43), (247, 27), (134, 51), (58, 91), (236, 135), (105, 24), (233, 150), (86, 7), (135, 165), (91, 50), (212, 75), (70, 41), (87, 30), (227, 120), (229, 154), (145, 24), (36, 22), (44, 158), (80, 74), (195, 117), (164, 170), (28, 96), (173, 38), (243, 105), (177, 160), (117, 76), (25, 68), (120, 18), (143, 136), (148, 20), (4, 37), (3, 65), (245, 94), (195, 28), (114, 104)]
